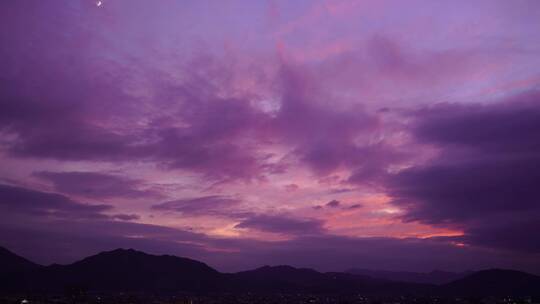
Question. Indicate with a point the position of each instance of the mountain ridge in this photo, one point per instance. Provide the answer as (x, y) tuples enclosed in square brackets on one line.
[(132, 270), (437, 277), (497, 282)]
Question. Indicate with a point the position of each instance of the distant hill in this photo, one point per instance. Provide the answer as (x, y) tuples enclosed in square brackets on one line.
[(134, 271), (276, 279), (496, 282), (433, 277), (289, 279), (281, 278)]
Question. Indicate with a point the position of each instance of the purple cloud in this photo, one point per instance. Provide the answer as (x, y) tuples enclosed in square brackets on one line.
[(95, 185), (337, 204), (206, 205), (26, 201), (202, 130), (126, 217), (484, 179), (504, 127), (77, 108), (333, 204), (331, 142), (282, 224)]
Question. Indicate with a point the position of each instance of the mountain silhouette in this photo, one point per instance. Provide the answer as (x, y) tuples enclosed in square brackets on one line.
[(285, 278), (15, 271), (129, 270), (12, 263), (495, 282), (434, 277), (280, 279)]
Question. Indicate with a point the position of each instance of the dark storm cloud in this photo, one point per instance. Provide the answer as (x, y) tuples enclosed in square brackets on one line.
[(511, 231), (95, 184), (454, 193), (506, 128), (485, 178), (283, 224)]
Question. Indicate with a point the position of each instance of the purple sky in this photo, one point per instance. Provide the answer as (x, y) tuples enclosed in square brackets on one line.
[(399, 135)]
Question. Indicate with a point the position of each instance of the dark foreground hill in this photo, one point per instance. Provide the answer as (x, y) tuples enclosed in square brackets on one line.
[(436, 277), (15, 272), (132, 270), (289, 279), (135, 271), (495, 282), (12, 263)]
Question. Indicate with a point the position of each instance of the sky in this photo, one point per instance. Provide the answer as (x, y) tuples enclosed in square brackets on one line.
[(330, 134)]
